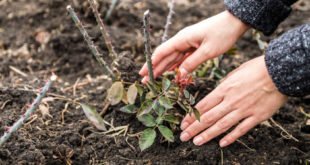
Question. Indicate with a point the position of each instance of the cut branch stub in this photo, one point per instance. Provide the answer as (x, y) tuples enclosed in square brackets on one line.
[(147, 44), (104, 31), (90, 43)]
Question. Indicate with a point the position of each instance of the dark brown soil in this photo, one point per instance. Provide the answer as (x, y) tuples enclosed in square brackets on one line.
[(72, 140)]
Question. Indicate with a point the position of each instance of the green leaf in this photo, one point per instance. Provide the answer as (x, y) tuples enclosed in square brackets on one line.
[(172, 119), (94, 117), (150, 95), (183, 106), (191, 100), (146, 107), (140, 90), (155, 105), (147, 120), (116, 93), (165, 102), (132, 94), (166, 83), (159, 120), (196, 113), (186, 94), (129, 109), (160, 111), (166, 132), (147, 138)]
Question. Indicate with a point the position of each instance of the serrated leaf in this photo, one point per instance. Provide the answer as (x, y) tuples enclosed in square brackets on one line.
[(116, 92), (147, 120), (172, 119), (165, 102), (147, 138), (186, 94), (132, 94), (129, 109), (196, 113), (166, 83), (166, 132), (94, 117)]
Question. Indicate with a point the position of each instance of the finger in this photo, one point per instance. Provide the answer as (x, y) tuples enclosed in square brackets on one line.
[(166, 63), (197, 58), (206, 120), (143, 70), (219, 127), (211, 100), (239, 131), (181, 42), (178, 43), (180, 61), (162, 67)]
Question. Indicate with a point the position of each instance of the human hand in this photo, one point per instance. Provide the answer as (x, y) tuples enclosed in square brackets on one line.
[(247, 95), (200, 42)]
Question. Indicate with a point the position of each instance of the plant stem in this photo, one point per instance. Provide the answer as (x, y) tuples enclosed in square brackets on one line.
[(89, 42), (29, 111), (103, 30), (146, 31), (168, 22), (112, 7)]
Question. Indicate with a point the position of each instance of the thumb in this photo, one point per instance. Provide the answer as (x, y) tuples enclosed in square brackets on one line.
[(193, 61)]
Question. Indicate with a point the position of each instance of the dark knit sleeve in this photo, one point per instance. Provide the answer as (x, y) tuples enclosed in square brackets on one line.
[(263, 15), (288, 61)]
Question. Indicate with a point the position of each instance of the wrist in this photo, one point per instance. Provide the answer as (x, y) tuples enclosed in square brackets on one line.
[(236, 23)]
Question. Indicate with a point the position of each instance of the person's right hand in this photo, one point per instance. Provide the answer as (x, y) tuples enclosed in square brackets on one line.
[(200, 42)]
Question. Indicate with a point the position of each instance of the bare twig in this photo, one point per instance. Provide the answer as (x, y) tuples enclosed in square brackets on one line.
[(290, 136), (112, 7), (90, 43), (104, 31), (168, 22), (29, 111), (146, 31)]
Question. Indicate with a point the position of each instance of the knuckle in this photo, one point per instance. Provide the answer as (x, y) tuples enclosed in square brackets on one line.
[(205, 136), (224, 124), (240, 131), (207, 120)]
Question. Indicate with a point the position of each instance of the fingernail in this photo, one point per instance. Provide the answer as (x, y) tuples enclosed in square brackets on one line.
[(184, 136), (183, 72), (198, 141), (223, 143), (184, 125)]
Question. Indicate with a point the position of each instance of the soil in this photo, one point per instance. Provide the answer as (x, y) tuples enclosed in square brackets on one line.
[(38, 37)]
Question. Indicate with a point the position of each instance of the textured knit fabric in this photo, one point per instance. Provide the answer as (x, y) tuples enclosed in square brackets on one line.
[(288, 61), (263, 15), (289, 2)]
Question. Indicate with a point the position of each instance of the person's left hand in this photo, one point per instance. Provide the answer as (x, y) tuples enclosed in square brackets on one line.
[(247, 95)]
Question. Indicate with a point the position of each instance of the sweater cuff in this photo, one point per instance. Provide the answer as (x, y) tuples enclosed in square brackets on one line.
[(288, 61), (263, 15)]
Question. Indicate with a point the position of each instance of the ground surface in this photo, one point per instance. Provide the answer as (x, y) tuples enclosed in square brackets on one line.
[(38, 37)]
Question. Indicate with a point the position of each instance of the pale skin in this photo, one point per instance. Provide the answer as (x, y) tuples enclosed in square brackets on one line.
[(245, 97)]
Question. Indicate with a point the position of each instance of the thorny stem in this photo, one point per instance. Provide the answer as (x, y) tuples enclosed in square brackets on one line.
[(104, 31), (89, 42), (168, 22), (146, 31), (29, 111), (112, 7)]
